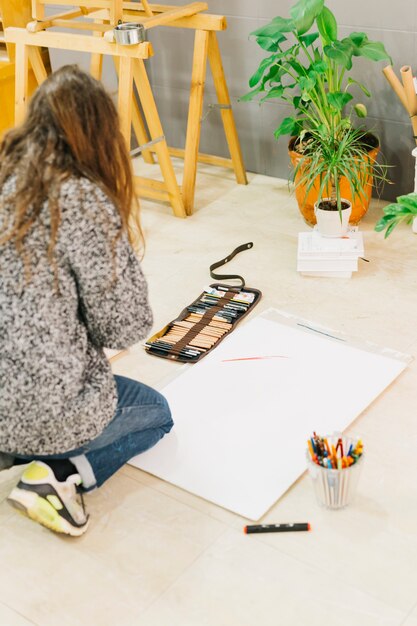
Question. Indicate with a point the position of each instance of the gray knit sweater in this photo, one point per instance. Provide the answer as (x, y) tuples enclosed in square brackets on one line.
[(57, 391)]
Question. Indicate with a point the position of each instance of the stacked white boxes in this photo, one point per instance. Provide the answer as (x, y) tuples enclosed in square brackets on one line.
[(335, 257)]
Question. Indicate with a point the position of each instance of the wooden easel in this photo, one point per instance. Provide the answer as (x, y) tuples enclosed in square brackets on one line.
[(206, 48), (130, 64), (150, 136)]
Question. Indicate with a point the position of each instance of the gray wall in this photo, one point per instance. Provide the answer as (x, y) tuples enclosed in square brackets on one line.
[(170, 71)]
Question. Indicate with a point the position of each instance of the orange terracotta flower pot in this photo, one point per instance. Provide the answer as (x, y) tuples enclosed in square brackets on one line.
[(306, 204)]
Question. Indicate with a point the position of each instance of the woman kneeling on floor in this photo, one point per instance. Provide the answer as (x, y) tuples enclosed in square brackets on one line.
[(70, 285)]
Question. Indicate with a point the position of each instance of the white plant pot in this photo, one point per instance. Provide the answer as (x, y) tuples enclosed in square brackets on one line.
[(329, 223)]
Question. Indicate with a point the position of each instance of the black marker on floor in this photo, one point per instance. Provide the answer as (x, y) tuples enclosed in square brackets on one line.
[(276, 528)]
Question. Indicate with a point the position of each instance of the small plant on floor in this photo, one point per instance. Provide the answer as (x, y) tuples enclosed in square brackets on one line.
[(404, 210), (330, 156)]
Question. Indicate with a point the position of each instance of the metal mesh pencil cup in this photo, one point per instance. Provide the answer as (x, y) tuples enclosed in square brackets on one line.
[(334, 488)]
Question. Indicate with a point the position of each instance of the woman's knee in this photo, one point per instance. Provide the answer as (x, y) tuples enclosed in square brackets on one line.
[(153, 406), (168, 422)]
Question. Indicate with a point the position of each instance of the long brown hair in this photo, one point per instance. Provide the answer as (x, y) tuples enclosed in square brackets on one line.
[(71, 129)]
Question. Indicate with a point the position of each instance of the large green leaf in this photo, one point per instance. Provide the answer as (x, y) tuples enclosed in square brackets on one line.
[(304, 13), (317, 55), (263, 66), (309, 38), (269, 30), (340, 52), (327, 25), (381, 224), (409, 202), (273, 75), (363, 47), (271, 44), (390, 228), (298, 67), (308, 82), (275, 92), (288, 126), (404, 210), (251, 94), (357, 39), (296, 101), (394, 210), (320, 66), (375, 51), (283, 25), (339, 99)]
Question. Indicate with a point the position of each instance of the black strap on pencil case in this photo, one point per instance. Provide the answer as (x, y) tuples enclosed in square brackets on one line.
[(229, 257), (227, 298)]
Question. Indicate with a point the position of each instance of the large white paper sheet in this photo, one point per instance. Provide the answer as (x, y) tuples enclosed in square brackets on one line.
[(241, 426)]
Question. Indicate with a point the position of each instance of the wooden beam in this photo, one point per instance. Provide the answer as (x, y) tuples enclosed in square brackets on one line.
[(109, 4), (151, 183), (135, 10), (162, 19), (141, 132), (37, 64), (37, 25), (38, 9), (125, 99), (116, 12), (21, 82), (166, 17), (145, 191), (195, 110), (201, 21), (96, 61), (151, 114), (90, 26), (98, 4), (194, 22), (228, 119), (146, 7), (81, 43), (210, 159)]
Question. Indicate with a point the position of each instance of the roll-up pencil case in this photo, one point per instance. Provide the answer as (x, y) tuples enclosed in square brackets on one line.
[(211, 317)]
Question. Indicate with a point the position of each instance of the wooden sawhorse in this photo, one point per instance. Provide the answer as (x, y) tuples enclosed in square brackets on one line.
[(206, 50), (130, 60)]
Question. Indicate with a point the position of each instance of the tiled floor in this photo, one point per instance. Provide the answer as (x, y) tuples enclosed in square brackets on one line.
[(158, 556)]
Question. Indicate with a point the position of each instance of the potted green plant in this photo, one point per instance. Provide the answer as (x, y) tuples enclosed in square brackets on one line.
[(329, 159), (404, 210), (309, 68)]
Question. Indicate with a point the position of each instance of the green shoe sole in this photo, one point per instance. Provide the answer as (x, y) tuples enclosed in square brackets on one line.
[(40, 510)]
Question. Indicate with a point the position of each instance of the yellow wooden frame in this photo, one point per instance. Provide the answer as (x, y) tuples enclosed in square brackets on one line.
[(206, 50), (116, 11), (103, 15), (130, 63)]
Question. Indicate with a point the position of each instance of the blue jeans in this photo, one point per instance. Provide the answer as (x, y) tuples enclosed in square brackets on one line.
[(142, 418)]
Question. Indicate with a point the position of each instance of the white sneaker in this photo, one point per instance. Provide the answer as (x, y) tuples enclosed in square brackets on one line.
[(52, 503)]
